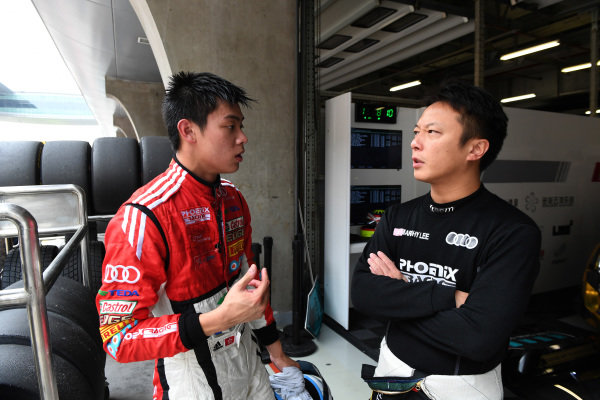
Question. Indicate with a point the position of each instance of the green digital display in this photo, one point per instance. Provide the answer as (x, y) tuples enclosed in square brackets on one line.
[(375, 113)]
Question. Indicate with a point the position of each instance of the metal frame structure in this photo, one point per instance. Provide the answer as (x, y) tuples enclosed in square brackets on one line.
[(30, 212)]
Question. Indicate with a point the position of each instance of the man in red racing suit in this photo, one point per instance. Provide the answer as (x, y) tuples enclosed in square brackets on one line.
[(173, 289)]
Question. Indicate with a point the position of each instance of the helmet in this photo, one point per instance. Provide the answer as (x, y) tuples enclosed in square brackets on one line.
[(314, 383), (373, 219)]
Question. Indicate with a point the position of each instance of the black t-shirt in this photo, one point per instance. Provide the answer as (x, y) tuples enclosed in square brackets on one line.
[(479, 244)]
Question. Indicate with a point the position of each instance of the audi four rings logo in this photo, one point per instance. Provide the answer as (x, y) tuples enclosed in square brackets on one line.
[(462, 240), (121, 274)]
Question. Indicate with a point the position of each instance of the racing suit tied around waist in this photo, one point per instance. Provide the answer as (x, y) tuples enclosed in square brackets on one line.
[(392, 378)]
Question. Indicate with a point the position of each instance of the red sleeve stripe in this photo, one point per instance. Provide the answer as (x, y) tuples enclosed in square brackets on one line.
[(165, 186), (161, 185)]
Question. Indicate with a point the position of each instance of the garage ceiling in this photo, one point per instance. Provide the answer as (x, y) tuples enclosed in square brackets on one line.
[(365, 46), (387, 43)]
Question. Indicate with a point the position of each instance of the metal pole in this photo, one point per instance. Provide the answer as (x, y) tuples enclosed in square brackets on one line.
[(594, 61), (297, 288), (479, 66), (36, 299), (268, 248)]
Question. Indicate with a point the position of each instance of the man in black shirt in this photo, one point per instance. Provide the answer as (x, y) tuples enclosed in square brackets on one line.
[(452, 270)]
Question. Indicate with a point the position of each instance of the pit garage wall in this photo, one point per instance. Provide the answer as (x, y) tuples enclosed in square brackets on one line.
[(549, 168)]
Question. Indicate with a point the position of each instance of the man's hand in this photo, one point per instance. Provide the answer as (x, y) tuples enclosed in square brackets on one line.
[(380, 264), (460, 297), (245, 301), (279, 358)]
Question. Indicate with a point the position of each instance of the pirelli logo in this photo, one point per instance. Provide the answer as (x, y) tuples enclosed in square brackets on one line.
[(106, 332), (236, 248)]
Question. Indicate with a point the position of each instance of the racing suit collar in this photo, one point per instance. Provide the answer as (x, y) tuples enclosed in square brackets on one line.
[(449, 208), (212, 185)]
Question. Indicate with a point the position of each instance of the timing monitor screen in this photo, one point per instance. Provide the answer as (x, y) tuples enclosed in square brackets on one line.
[(376, 148), (365, 199)]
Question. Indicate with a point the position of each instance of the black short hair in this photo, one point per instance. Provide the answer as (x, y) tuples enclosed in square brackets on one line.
[(482, 115), (194, 95)]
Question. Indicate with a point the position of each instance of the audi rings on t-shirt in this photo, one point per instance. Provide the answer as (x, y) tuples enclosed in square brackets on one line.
[(121, 274)]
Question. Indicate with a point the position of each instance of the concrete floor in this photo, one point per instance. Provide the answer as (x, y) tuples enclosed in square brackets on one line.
[(338, 361)]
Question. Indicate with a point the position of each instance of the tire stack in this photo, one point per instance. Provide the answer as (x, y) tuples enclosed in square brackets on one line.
[(108, 172), (78, 357)]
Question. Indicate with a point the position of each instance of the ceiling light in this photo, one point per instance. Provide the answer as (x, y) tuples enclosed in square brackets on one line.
[(530, 50), (517, 98), (578, 67), (405, 86), (143, 40), (588, 112)]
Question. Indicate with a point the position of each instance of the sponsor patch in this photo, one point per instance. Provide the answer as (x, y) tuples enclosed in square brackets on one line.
[(234, 224), (236, 248), (106, 332), (234, 265), (441, 210), (121, 274), (422, 271), (232, 236), (198, 214), (109, 319), (117, 307), (204, 259), (151, 333), (232, 209), (118, 293), (200, 238), (409, 233), (113, 344), (462, 240), (223, 343)]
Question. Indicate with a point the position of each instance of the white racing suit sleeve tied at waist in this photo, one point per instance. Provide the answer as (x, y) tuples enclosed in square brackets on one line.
[(487, 386)]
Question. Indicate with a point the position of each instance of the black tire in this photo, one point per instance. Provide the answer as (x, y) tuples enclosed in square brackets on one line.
[(68, 340), (67, 162), (12, 270), (20, 163), (73, 301), (156, 154), (18, 379), (115, 173), (72, 268)]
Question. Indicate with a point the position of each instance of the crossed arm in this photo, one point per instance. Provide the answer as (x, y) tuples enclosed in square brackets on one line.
[(380, 264)]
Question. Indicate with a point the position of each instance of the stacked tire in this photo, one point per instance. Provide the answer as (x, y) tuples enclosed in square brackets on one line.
[(78, 357), (109, 171)]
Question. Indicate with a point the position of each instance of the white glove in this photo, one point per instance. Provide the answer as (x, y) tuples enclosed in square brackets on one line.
[(289, 384)]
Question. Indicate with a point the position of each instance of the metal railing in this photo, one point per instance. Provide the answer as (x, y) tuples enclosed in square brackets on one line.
[(29, 212)]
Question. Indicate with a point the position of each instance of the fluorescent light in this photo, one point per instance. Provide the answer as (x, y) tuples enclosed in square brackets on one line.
[(405, 86), (578, 67), (588, 112), (517, 98), (530, 50)]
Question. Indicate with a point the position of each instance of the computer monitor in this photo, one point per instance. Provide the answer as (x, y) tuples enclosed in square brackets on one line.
[(365, 199), (376, 148)]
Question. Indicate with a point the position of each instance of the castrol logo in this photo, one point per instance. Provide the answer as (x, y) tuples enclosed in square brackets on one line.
[(121, 274), (117, 307)]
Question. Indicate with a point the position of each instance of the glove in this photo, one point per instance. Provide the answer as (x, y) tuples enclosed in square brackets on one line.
[(289, 384)]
